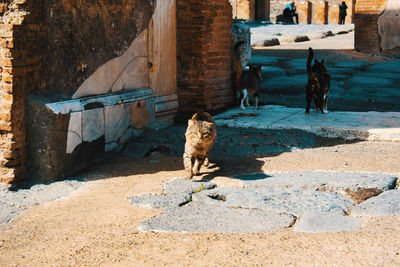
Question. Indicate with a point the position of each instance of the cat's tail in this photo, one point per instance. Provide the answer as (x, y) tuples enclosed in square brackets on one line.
[(309, 59)]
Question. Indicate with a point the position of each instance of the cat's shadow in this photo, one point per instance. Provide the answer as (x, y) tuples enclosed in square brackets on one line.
[(238, 167)]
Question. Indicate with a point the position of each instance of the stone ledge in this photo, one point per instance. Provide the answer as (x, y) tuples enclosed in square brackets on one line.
[(67, 136)]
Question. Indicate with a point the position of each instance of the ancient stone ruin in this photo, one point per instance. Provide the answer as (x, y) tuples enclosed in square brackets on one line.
[(78, 78)]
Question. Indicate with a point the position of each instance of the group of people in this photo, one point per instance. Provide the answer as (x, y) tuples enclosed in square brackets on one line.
[(290, 11)]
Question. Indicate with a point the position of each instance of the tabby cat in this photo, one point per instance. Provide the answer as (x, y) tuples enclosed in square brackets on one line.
[(201, 135), (318, 84)]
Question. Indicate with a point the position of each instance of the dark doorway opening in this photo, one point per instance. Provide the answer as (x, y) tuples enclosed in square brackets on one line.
[(262, 9)]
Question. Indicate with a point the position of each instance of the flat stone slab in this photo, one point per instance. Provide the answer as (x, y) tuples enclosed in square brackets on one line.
[(272, 71), (372, 126), (183, 185), (392, 65), (339, 182), (320, 222), (264, 60), (298, 62), (386, 75), (283, 85), (290, 201), (197, 217), (386, 204), (160, 202), (351, 64), (334, 71), (370, 82)]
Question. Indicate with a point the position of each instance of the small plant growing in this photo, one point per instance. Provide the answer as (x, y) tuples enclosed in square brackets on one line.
[(201, 188)]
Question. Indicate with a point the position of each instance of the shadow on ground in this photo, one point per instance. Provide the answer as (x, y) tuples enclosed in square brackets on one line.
[(236, 152)]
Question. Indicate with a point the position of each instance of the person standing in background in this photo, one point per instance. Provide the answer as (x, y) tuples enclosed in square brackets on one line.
[(342, 12)]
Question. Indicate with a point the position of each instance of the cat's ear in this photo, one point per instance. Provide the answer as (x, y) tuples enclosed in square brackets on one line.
[(195, 116), (190, 123)]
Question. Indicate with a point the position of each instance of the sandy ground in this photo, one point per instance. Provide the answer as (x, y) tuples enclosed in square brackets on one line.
[(96, 225), (342, 42)]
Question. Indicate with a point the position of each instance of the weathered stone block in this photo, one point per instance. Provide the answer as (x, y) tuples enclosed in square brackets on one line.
[(67, 136)]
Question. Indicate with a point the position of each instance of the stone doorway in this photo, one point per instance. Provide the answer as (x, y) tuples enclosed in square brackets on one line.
[(262, 9), (162, 55)]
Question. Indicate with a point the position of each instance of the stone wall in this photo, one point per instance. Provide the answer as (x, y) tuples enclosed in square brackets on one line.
[(108, 89), (366, 35), (48, 49), (204, 45), (83, 35), (389, 29)]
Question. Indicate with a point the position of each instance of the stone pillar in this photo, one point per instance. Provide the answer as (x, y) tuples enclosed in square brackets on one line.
[(333, 13), (204, 48), (304, 9), (366, 20), (389, 29), (319, 12)]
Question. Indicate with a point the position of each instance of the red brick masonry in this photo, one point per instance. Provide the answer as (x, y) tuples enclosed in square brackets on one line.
[(204, 48)]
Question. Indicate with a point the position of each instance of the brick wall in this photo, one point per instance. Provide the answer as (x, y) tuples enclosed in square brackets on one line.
[(204, 48), (21, 58), (366, 30)]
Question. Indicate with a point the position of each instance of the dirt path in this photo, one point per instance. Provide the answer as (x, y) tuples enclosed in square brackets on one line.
[(96, 225)]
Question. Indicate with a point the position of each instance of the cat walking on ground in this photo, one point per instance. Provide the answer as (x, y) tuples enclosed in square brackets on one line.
[(318, 84), (246, 82), (249, 84), (201, 135)]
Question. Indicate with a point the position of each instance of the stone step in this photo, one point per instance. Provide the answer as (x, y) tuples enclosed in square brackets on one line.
[(373, 126)]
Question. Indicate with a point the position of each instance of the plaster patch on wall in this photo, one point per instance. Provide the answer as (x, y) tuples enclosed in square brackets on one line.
[(92, 124), (117, 121), (134, 76), (128, 71), (74, 136)]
